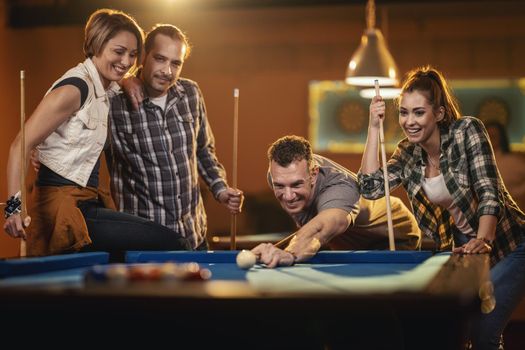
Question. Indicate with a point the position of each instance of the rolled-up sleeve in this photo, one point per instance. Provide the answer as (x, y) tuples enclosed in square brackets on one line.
[(371, 186)]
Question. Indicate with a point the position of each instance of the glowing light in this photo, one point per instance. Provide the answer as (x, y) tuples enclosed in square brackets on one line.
[(386, 93)]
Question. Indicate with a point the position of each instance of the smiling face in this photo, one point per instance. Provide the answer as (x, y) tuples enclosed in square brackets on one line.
[(419, 120), (117, 57), (293, 185), (163, 64)]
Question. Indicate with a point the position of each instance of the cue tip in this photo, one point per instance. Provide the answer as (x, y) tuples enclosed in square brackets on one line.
[(22, 74), (376, 85), (235, 92)]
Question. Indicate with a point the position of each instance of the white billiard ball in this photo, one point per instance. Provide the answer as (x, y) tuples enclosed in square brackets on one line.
[(245, 259)]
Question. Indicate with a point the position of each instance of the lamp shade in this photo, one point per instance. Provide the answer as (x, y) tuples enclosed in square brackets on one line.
[(387, 93), (372, 61)]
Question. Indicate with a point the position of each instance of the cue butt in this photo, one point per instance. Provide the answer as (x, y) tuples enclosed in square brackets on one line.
[(391, 242), (233, 222), (23, 214)]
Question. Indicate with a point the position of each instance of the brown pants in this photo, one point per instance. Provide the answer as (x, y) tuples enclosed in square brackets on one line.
[(370, 230), (57, 225)]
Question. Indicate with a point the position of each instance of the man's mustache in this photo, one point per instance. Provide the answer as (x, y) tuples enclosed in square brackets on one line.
[(164, 77)]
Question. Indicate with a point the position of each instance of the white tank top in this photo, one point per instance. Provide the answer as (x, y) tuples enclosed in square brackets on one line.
[(437, 193)]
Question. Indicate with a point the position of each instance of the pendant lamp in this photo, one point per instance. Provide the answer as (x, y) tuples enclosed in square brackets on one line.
[(372, 60)]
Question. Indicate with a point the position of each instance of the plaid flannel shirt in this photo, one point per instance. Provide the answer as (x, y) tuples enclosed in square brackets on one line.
[(469, 168), (155, 158)]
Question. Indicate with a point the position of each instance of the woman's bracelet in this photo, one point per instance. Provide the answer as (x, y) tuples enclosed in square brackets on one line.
[(13, 205)]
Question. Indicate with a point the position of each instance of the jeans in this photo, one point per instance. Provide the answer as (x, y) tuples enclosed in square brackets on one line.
[(116, 232), (508, 277)]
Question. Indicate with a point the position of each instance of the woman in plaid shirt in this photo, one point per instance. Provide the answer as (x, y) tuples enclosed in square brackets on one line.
[(446, 165)]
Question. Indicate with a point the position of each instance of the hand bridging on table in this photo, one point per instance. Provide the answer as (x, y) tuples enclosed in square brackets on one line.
[(474, 246), (271, 256), (298, 250)]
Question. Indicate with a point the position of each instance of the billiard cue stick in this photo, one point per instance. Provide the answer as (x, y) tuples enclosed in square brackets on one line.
[(283, 241), (23, 213), (391, 242), (233, 223)]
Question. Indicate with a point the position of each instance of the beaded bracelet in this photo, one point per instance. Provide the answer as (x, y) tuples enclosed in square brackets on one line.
[(13, 206)]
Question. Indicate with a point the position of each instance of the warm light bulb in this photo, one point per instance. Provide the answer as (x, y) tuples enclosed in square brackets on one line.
[(386, 93)]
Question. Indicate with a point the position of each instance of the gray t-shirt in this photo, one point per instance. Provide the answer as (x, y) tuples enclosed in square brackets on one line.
[(336, 187)]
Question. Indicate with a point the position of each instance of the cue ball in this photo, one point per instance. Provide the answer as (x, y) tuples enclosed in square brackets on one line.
[(245, 259)]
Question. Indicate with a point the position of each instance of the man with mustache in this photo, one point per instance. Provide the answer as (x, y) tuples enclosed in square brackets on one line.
[(323, 199), (161, 142)]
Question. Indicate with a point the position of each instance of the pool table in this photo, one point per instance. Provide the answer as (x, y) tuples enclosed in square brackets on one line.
[(337, 300)]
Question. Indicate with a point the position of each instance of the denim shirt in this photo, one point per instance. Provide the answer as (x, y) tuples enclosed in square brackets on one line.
[(73, 149), (472, 178)]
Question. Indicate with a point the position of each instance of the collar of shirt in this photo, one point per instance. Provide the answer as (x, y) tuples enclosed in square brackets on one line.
[(175, 92), (97, 82)]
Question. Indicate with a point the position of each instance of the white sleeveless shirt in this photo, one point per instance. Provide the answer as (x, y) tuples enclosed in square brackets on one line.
[(75, 146)]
